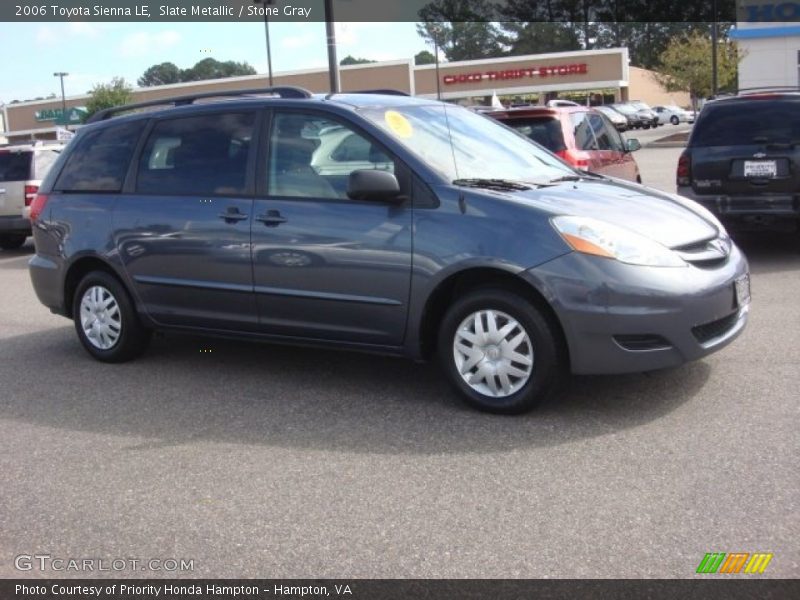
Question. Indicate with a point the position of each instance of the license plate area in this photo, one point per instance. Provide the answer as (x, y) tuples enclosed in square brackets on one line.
[(760, 169), (741, 290)]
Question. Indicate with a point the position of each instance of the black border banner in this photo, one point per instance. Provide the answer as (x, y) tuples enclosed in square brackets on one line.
[(373, 10), (397, 589)]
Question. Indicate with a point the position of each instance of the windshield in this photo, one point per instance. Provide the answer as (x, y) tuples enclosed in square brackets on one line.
[(463, 145)]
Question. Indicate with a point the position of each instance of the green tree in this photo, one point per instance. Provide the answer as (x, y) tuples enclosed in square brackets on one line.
[(686, 65), (210, 68), (106, 95), (540, 37), (424, 58), (161, 74), (352, 60), (461, 28)]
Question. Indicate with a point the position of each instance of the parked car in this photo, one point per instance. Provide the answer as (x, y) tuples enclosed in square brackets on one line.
[(647, 112), (742, 160), (582, 136), (673, 114), (22, 168), (636, 118), (619, 120), (474, 246)]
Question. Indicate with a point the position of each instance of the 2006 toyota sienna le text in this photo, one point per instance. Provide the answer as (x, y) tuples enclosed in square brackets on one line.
[(378, 222)]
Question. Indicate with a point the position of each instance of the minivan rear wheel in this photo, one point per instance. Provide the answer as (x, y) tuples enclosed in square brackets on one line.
[(499, 351), (105, 320), (11, 241)]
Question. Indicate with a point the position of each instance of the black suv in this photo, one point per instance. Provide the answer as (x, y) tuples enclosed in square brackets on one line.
[(742, 161)]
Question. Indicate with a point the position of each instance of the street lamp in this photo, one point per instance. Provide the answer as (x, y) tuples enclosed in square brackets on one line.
[(714, 35), (435, 31), (330, 32), (266, 35), (61, 76)]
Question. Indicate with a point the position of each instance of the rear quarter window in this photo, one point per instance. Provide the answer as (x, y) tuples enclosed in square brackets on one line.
[(746, 123), (15, 166), (99, 161)]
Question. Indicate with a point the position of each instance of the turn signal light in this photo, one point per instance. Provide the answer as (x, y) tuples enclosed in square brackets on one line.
[(30, 193)]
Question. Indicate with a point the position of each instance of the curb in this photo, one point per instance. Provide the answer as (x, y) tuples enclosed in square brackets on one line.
[(658, 144)]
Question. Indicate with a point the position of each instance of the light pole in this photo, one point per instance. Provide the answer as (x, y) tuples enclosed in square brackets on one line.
[(266, 35), (435, 31), (61, 76), (714, 34), (330, 32)]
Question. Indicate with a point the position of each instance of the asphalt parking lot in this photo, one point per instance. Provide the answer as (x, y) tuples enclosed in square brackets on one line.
[(265, 461)]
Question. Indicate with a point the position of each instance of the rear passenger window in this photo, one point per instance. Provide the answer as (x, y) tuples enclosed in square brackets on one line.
[(100, 160), (584, 136), (203, 155)]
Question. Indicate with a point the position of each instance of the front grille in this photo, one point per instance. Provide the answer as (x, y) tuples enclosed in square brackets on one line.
[(714, 329), (706, 253)]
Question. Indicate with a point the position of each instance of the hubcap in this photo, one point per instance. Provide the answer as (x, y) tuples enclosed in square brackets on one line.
[(493, 353), (100, 317)]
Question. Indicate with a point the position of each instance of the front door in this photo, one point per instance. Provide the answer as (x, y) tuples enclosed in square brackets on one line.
[(325, 266), (184, 233)]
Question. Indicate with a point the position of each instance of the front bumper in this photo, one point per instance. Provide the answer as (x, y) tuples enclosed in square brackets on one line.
[(621, 318), (15, 225), (772, 205)]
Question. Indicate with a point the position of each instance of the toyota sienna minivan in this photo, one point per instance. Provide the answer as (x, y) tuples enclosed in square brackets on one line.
[(376, 222)]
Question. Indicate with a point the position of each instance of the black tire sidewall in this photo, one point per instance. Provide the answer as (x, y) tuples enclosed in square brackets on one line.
[(547, 364), (133, 338)]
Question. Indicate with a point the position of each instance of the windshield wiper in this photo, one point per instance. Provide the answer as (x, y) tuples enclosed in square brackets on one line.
[(586, 175), (493, 184)]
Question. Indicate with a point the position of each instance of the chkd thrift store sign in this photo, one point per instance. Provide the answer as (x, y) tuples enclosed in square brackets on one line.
[(526, 73)]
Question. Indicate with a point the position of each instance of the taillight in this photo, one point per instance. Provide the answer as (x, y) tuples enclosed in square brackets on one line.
[(576, 158), (30, 193), (684, 173), (37, 206)]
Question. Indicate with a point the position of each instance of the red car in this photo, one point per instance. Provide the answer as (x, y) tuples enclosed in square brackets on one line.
[(582, 136)]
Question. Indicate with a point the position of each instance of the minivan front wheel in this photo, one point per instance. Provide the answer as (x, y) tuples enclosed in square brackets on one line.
[(499, 351), (105, 320)]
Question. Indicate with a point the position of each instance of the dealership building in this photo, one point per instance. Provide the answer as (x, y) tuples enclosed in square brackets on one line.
[(588, 76)]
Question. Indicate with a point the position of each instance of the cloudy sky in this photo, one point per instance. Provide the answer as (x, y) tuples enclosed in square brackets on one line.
[(96, 52)]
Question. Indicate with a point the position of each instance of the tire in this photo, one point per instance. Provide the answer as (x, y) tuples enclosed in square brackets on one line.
[(674, 120), (119, 335), (12, 241), (524, 385), (646, 126)]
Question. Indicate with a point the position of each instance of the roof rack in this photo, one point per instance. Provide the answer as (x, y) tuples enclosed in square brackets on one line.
[(285, 91), (384, 92)]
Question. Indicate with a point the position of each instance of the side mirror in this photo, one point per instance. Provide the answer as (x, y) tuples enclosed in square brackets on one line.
[(373, 184), (632, 145)]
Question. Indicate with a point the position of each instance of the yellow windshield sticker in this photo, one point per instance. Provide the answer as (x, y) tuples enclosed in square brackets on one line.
[(399, 125)]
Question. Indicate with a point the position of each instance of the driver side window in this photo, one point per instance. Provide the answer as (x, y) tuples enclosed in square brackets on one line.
[(312, 157)]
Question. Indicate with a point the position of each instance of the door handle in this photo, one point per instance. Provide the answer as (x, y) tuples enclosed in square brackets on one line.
[(232, 215), (272, 218)]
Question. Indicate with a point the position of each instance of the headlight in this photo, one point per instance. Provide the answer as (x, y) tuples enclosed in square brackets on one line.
[(599, 238)]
